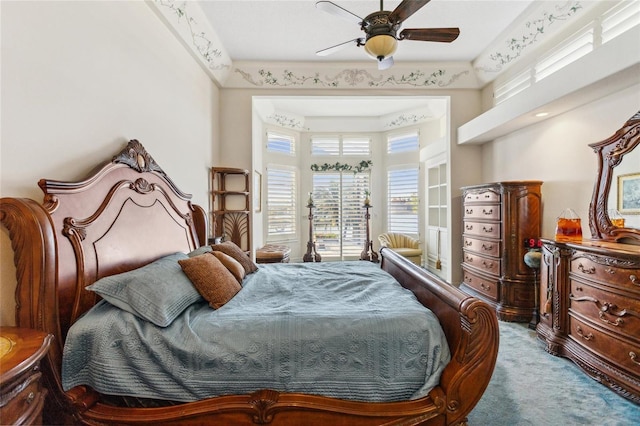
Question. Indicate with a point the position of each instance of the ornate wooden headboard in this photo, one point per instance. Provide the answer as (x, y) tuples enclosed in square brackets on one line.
[(126, 214)]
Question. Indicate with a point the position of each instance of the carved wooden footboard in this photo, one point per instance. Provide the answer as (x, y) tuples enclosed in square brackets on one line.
[(130, 213)]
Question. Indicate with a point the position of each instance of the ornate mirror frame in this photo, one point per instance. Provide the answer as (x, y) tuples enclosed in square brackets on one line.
[(610, 153)]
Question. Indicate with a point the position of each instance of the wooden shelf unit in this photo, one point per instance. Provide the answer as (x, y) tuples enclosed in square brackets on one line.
[(230, 201)]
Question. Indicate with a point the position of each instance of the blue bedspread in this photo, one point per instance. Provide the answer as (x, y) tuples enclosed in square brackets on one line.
[(339, 329)]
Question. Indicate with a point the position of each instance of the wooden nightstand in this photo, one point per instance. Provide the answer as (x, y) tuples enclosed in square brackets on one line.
[(21, 392)]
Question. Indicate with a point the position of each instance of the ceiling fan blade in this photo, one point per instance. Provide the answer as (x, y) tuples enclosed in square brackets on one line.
[(334, 9), (385, 63), (337, 47), (443, 35), (406, 9)]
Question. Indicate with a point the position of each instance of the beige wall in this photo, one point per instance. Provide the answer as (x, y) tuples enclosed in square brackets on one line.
[(556, 151), (79, 79)]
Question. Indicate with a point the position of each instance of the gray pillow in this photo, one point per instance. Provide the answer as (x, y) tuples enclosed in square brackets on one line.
[(200, 250), (157, 292)]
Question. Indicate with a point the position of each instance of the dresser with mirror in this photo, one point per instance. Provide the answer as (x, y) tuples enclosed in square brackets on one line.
[(589, 298)]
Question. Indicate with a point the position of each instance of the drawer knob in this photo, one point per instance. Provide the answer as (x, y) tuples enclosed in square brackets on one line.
[(584, 336), (487, 265), (633, 356), (485, 287), (634, 279), (489, 229), (29, 399), (487, 212)]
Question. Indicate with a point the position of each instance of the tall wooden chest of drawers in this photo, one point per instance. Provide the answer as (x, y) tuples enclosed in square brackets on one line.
[(498, 218), (590, 310)]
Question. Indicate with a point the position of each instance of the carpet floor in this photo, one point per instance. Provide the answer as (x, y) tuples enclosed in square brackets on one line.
[(530, 387)]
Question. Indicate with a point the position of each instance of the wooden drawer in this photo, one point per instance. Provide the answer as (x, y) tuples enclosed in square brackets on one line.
[(487, 265), (482, 229), (482, 211), (484, 247), (619, 313), (22, 403), (21, 392), (482, 285), (620, 352), (585, 266), (482, 197)]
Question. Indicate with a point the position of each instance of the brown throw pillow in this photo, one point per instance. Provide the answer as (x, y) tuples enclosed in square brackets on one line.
[(211, 278), (231, 264), (230, 248)]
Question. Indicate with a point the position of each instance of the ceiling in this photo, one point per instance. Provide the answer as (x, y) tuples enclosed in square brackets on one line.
[(292, 31)]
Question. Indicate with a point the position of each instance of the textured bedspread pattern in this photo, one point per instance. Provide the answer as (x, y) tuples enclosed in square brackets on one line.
[(339, 329)]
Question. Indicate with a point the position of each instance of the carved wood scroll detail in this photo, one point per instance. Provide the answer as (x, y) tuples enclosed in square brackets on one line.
[(262, 401), (610, 153), (609, 261), (137, 157)]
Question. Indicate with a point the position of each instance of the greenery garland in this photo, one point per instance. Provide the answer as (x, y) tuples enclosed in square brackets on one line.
[(362, 166)]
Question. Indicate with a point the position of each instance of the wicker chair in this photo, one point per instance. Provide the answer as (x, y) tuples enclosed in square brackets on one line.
[(402, 244)]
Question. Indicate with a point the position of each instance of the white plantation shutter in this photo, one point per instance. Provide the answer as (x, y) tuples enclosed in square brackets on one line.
[(354, 231), (407, 142), (335, 146), (339, 224), (356, 146), (326, 221), (325, 146), (402, 199), (280, 144), (281, 201)]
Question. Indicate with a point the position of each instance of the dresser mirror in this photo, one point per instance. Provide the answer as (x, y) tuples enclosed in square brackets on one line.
[(614, 212)]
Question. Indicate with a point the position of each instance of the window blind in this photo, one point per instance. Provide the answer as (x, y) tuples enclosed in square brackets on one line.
[(281, 144), (281, 201), (339, 226), (402, 199)]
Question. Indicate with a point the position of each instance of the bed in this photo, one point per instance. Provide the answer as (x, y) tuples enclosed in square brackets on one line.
[(129, 214)]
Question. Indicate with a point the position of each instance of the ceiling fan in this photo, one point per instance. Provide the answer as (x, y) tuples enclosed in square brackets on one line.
[(381, 30)]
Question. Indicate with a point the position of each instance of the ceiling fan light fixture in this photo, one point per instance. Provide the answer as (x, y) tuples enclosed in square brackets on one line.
[(381, 46)]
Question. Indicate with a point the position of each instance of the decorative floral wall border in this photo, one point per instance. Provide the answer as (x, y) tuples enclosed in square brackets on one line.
[(348, 78), (530, 33), (405, 120), (190, 24), (285, 121), (418, 78)]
